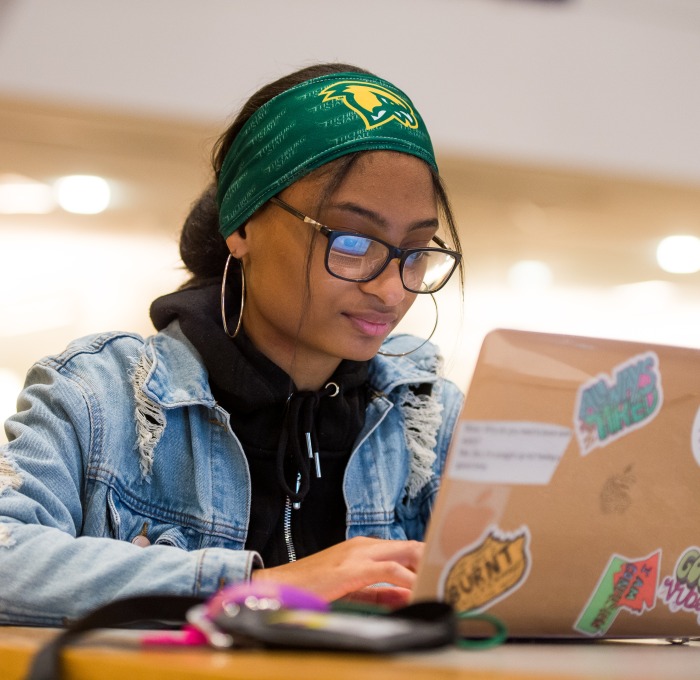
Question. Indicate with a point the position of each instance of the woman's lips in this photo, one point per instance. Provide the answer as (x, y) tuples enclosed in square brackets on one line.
[(372, 323)]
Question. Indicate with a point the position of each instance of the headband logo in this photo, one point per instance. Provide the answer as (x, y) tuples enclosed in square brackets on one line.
[(376, 105)]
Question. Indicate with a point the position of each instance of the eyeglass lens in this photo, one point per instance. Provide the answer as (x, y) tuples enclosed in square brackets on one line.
[(358, 258)]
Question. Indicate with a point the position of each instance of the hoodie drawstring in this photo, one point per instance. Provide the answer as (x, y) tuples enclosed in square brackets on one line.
[(298, 441)]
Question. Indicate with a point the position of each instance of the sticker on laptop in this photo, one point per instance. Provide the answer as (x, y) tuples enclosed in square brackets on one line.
[(487, 571), (628, 584), (695, 437), (507, 452), (680, 591), (608, 408)]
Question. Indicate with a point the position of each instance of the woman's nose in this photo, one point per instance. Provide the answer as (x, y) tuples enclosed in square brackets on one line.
[(388, 286)]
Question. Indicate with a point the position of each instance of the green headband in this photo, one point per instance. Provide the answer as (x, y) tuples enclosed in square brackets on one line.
[(308, 126)]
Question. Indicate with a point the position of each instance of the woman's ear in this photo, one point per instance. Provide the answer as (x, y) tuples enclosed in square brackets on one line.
[(237, 244)]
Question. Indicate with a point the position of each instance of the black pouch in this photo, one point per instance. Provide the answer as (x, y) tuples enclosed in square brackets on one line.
[(418, 626)]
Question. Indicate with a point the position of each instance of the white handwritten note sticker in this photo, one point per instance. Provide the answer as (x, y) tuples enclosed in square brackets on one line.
[(507, 452)]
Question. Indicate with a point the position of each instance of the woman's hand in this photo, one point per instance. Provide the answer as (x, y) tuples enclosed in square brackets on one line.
[(349, 568)]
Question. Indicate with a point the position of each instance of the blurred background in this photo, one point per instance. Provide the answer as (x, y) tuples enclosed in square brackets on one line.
[(566, 131)]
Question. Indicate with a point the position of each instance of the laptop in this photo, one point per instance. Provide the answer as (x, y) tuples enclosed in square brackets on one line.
[(570, 501)]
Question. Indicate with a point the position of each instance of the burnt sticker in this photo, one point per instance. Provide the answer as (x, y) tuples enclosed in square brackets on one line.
[(682, 588), (487, 571), (608, 408), (625, 584)]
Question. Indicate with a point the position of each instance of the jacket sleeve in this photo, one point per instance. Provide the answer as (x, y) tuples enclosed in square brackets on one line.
[(50, 572)]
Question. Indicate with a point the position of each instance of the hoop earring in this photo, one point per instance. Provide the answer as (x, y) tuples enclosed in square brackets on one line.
[(223, 298), (415, 349)]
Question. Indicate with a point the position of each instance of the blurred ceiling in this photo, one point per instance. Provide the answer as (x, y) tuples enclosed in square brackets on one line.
[(599, 85)]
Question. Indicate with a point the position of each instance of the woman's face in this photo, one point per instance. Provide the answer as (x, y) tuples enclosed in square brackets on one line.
[(307, 331)]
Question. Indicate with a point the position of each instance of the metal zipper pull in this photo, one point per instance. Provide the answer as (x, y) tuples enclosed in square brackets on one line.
[(297, 505)]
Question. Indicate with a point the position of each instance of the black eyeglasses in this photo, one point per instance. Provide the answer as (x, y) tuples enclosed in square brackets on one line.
[(354, 257)]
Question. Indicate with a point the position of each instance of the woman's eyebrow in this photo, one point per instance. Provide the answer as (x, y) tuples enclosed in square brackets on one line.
[(371, 215)]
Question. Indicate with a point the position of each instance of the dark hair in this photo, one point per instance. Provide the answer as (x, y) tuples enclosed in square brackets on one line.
[(202, 248)]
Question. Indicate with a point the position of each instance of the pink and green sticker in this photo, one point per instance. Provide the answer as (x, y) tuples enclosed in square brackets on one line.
[(610, 407)]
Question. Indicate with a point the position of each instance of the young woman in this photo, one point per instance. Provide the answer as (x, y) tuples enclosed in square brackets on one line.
[(269, 430)]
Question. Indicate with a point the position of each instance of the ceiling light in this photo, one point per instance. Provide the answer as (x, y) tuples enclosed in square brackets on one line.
[(679, 254), (530, 275), (83, 194), (23, 196)]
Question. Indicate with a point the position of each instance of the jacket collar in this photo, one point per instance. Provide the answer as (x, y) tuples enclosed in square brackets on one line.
[(418, 367), (177, 376)]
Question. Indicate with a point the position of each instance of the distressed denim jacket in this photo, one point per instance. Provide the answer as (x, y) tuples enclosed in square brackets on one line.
[(119, 437)]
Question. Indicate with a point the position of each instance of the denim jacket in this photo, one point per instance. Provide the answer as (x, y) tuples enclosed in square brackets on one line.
[(119, 437)]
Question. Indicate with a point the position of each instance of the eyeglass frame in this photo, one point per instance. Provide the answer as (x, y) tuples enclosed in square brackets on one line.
[(394, 252)]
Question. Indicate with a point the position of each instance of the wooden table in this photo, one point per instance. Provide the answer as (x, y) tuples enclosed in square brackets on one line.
[(117, 655)]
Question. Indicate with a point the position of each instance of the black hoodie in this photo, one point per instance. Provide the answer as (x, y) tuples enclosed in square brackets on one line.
[(270, 418)]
